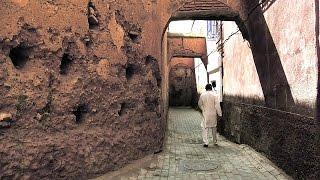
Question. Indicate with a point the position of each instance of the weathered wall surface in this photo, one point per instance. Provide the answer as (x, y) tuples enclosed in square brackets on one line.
[(270, 85), (186, 61), (165, 71), (181, 46), (85, 85), (83, 93), (183, 88)]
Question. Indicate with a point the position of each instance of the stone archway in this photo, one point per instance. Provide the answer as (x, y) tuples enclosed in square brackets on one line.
[(211, 10), (188, 47), (194, 10), (205, 9), (232, 11), (182, 60)]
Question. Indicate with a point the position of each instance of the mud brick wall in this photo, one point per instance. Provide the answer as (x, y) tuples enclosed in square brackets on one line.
[(84, 84), (83, 94)]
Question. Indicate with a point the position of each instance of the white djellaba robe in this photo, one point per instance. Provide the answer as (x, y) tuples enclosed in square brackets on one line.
[(210, 106)]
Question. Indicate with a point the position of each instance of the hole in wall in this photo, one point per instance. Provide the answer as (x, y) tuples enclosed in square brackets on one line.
[(92, 15), (123, 107), (93, 22), (87, 41), (159, 79), (130, 70), (65, 64), (91, 4), (134, 36), (80, 112), (19, 56), (152, 61)]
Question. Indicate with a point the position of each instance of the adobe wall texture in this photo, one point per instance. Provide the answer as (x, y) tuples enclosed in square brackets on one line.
[(87, 98), (84, 85), (189, 62), (91, 91), (270, 85)]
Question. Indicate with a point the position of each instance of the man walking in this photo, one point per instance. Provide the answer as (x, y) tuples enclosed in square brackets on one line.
[(210, 106)]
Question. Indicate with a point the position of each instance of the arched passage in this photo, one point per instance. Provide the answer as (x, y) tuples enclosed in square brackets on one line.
[(210, 10), (201, 10), (273, 80), (278, 97)]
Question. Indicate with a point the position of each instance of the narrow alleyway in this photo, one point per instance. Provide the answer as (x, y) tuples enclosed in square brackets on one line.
[(185, 158)]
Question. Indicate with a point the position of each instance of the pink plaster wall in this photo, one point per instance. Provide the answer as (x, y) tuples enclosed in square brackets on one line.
[(293, 34)]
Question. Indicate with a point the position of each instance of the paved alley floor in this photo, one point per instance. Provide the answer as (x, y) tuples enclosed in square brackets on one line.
[(184, 157)]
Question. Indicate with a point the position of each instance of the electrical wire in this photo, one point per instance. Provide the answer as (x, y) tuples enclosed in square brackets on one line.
[(192, 25), (220, 46)]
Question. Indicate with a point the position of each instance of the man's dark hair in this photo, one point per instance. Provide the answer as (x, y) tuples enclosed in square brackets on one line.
[(209, 87), (214, 84)]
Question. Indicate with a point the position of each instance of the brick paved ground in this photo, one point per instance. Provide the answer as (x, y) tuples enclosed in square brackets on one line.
[(185, 158)]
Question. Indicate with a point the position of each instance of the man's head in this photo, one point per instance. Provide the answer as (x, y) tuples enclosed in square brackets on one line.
[(208, 87), (214, 84)]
